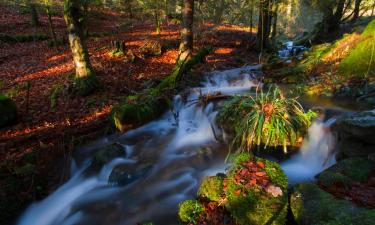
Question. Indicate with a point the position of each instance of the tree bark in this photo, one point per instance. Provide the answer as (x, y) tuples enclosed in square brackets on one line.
[(50, 23), (357, 6), (72, 16), (263, 41), (34, 13), (186, 46), (251, 3)]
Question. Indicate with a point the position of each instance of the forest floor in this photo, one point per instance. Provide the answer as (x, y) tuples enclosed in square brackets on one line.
[(51, 123)]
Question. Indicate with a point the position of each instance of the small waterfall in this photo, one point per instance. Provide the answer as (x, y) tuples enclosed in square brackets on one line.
[(316, 153), (176, 150)]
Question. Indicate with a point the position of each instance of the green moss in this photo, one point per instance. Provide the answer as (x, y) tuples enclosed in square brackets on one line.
[(190, 211), (254, 206), (347, 171), (8, 111), (211, 188), (311, 205), (361, 60), (84, 86)]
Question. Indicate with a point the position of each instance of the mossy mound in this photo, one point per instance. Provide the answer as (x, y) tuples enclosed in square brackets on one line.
[(347, 171), (265, 200), (253, 192), (190, 211), (8, 111), (212, 188), (312, 205), (138, 111), (361, 60)]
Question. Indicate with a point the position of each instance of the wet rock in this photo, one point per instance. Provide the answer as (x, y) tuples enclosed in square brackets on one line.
[(8, 111), (355, 135), (107, 153), (346, 172), (125, 174), (311, 205)]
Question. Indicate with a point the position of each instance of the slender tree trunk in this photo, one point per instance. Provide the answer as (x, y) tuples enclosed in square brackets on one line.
[(50, 23), (72, 15), (274, 21), (186, 46), (34, 13), (357, 6), (373, 9), (251, 2), (263, 25)]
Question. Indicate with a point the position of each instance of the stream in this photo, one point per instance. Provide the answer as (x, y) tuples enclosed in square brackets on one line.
[(165, 162)]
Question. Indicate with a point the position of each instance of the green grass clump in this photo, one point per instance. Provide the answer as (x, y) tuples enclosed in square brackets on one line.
[(190, 211), (268, 118), (361, 60)]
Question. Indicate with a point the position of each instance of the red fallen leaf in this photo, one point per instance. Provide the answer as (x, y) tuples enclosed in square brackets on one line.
[(260, 174), (261, 164), (211, 205), (244, 172), (253, 181), (237, 192), (275, 206)]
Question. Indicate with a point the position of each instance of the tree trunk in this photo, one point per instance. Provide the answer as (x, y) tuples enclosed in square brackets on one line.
[(373, 9), (274, 22), (186, 46), (219, 10), (263, 25), (72, 15), (251, 3), (34, 13), (50, 23), (357, 6)]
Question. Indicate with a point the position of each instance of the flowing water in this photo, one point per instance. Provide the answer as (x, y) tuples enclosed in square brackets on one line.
[(164, 164)]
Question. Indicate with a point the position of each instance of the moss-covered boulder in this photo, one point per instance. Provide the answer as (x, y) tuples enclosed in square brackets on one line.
[(253, 192), (106, 154), (346, 172), (355, 135), (256, 191), (312, 205), (8, 111), (212, 188), (190, 211)]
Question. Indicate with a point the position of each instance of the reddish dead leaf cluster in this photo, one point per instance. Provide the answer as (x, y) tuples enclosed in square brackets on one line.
[(251, 174), (215, 214)]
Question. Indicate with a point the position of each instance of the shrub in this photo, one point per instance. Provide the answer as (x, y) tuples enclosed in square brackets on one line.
[(268, 119)]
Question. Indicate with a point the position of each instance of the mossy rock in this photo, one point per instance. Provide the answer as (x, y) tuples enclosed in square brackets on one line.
[(142, 111), (189, 211), (151, 48), (211, 188), (312, 205), (8, 111), (106, 154), (346, 171), (125, 174), (254, 206)]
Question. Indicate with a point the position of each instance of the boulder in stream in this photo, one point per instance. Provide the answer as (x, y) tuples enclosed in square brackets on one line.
[(311, 205), (254, 191), (107, 153), (355, 135)]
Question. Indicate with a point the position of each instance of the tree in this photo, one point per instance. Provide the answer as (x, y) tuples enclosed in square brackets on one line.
[(264, 25), (357, 6), (50, 23), (186, 45), (85, 78), (34, 13)]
